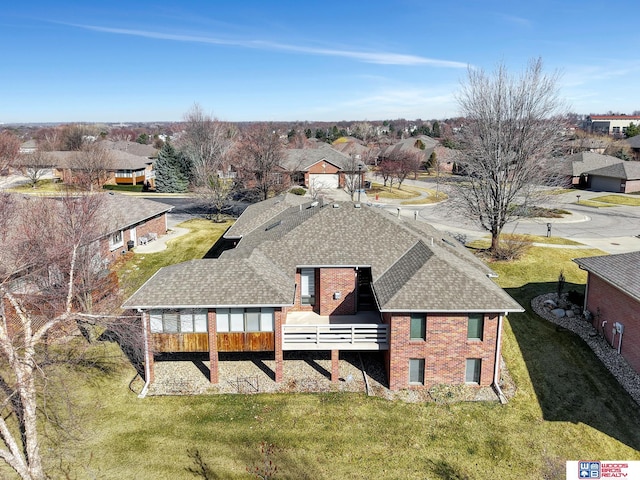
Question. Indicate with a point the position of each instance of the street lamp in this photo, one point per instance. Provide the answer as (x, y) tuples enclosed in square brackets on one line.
[(578, 198)]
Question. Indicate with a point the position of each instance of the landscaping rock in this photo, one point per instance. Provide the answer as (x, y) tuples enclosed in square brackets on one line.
[(550, 304), (569, 314), (558, 312), (615, 363)]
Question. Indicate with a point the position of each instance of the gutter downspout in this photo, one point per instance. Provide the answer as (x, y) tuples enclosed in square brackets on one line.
[(496, 366), (147, 368)]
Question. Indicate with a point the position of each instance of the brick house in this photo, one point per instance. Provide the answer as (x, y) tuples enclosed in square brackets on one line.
[(323, 168), (128, 219), (613, 299), (303, 275)]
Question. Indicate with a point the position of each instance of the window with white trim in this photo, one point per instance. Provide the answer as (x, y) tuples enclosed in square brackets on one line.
[(116, 240), (307, 286), (258, 319), (187, 320)]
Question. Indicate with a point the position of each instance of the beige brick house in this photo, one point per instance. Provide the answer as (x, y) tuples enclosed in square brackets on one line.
[(303, 275)]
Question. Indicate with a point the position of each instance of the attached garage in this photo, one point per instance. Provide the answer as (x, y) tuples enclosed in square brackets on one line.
[(324, 180), (623, 177), (605, 184)]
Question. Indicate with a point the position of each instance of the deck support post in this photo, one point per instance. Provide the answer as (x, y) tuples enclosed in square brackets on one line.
[(213, 348), (335, 365)]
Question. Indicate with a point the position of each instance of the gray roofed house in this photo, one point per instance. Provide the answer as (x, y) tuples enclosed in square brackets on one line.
[(612, 297), (578, 166), (621, 177), (422, 145), (124, 167), (322, 168), (302, 271)]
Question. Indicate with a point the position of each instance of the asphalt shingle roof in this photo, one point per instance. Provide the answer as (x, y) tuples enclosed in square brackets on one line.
[(413, 267), (624, 170), (584, 162), (300, 159), (621, 270)]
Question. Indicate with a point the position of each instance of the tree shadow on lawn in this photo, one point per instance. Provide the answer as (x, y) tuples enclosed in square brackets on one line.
[(570, 382)]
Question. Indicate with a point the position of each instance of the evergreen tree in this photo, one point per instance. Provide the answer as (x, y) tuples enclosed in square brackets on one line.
[(436, 129), (632, 130), (172, 172)]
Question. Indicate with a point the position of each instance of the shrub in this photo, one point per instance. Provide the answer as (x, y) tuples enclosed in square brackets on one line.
[(298, 191), (575, 297), (512, 247)]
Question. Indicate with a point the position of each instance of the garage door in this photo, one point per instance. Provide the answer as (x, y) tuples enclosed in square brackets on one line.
[(605, 184), (323, 181)]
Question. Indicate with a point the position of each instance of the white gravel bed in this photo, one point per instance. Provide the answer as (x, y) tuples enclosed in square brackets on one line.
[(247, 373), (614, 362)]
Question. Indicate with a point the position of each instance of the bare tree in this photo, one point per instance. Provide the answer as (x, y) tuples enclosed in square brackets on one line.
[(34, 166), (92, 166), (260, 153), (9, 148), (39, 282), (353, 171), (513, 127), (206, 142)]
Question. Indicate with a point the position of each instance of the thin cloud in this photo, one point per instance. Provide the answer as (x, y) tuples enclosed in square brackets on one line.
[(519, 21), (382, 58)]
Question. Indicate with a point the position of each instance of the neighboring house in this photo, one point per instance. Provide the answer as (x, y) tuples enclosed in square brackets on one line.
[(634, 144), (124, 168), (610, 124), (130, 219), (303, 275), (322, 168), (422, 145), (29, 146), (612, 298), (623, 177), (578, 166)]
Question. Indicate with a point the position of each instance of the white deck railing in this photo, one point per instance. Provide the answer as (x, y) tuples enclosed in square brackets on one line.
[(335, 337)]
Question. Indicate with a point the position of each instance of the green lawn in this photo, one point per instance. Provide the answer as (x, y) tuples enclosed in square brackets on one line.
[(566, 406), (409, 194), (617, 200), (138, 268)]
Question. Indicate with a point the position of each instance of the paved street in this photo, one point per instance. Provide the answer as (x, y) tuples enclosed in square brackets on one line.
[(612, 229)]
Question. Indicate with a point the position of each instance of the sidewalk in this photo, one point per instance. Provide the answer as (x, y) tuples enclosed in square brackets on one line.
[(160, 243)]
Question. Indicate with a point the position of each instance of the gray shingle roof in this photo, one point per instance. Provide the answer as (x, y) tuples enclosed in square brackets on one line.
[(412, 267), (300, 159), (623, 170), (120, 160), (215, 283), (583, 162), (621, 270), (262, 212), (124, 211)]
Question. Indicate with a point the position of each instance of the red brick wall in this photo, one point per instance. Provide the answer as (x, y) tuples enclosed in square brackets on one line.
[(157, 225), (616, 306), (328, 168), (341, 281), (445, 350), (297, 306)]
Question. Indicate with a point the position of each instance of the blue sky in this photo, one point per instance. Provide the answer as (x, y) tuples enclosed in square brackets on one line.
[(123, 61)]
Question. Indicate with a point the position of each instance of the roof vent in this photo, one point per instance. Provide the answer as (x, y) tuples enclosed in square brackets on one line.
[(273, 225), (336, 205), (314, 204), (356, 205)]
